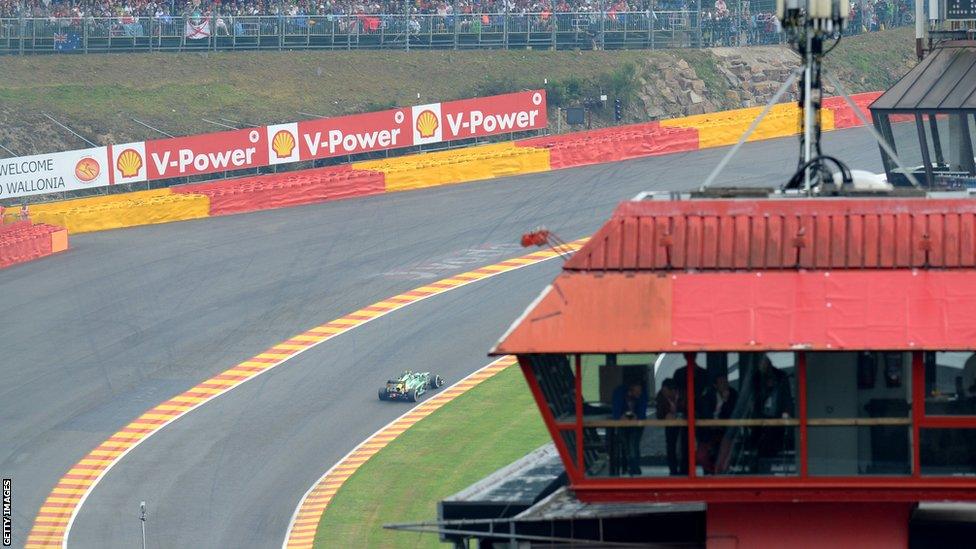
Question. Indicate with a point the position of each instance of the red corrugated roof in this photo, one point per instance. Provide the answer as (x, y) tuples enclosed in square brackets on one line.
[(883, 233)]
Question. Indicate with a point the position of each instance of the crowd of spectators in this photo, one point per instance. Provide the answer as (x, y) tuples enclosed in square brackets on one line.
[(873, 13), (723, 22), (724, 25), (157, 8)]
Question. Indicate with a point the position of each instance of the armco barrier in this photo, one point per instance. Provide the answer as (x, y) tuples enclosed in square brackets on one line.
[(457, 166), (25, 241), (267, 192), (121, 210), (613, 144)]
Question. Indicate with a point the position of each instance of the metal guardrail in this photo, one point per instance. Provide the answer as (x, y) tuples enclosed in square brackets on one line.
[(622, 30), (561, 31)]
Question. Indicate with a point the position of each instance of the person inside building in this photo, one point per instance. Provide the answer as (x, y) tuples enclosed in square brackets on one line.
[(718, 402), (773, 400), (667, 408), (630, 404)]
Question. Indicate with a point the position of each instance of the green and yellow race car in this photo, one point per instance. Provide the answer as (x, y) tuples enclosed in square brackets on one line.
[(410, 386)]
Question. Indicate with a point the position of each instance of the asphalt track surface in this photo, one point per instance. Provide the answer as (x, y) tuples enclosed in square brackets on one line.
[(129, 318)]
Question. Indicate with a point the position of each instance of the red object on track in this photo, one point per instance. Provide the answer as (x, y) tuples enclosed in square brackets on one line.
[(535, 238)]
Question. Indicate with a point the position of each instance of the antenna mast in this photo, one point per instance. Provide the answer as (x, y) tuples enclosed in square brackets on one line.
[(807, 25)]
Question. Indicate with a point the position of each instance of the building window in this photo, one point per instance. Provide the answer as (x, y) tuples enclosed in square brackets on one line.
[(818, 414), (632, 425), (746, 414), (950, 384), (858, 413), (948, 452), (556, 379), (950, 395)]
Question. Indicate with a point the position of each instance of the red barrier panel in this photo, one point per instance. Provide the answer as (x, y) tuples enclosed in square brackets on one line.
[(614, 144), (844, 116), (266, 192), (23, 241)]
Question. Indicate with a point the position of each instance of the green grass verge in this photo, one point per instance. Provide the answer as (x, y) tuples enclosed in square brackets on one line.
[(477, 433)]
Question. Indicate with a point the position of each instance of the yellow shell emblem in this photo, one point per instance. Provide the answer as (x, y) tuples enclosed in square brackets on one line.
[(283, 143), (129, 163), (427, 124)]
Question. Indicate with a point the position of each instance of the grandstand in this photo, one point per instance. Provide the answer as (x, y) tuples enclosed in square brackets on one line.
[(83, 26)]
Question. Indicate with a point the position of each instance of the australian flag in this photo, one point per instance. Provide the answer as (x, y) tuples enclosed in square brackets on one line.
[(67, 41)]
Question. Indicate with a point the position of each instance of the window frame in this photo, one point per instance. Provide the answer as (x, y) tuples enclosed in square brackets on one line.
[(703, 486)]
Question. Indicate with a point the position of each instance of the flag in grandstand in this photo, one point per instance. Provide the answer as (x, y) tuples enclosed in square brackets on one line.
[(67, 41), (197, 29), (131, 26)]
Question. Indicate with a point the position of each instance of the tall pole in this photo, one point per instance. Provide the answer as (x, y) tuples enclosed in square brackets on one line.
[(807, 109), (142, 518), (920, 27)]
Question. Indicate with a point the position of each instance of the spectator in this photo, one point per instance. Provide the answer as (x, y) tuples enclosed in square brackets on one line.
[(630, 403), (721, 24)]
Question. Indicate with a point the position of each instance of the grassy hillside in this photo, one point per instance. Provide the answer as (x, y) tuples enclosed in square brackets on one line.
[(99, 95)]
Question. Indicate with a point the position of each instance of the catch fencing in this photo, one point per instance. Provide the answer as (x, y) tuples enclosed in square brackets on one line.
[(561, 31)]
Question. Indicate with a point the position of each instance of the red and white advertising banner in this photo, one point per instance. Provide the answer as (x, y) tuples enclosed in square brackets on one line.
[(53, 172), (207, 153), (275, 144), (353, 134), (128, 163), (420, 125), (483, 116)]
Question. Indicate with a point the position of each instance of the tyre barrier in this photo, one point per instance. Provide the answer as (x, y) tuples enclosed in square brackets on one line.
[(24, 241), (457, 166), (844, 115), (724, 128), (121, 210), (614, 144), (419, 171), (286, 189)]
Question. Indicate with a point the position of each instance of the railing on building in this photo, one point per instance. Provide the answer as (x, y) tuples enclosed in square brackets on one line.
[(623, 30)]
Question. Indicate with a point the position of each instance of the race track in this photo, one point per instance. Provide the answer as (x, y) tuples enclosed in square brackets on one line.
[(128, 318)]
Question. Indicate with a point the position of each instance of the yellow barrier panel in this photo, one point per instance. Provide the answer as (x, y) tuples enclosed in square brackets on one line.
[(726, 127), (457, 166), (122, 210), (12, 213)]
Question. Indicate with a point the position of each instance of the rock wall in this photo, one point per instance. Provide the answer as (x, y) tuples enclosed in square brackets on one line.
[(734, 78)]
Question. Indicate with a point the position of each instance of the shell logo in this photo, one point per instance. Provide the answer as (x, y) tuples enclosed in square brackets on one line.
[(129, 163), (283, 143), (87, 169), (427, 124)]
